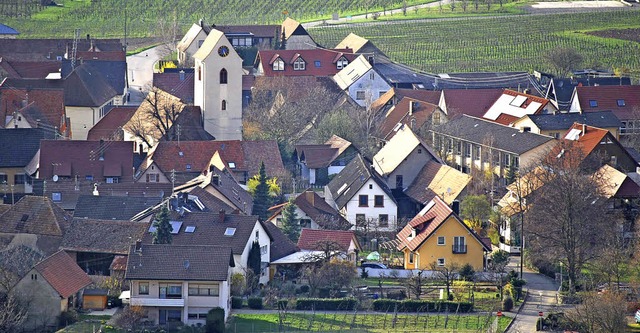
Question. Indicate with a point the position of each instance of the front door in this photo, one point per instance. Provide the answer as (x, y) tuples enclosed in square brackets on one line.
[(163, 317)]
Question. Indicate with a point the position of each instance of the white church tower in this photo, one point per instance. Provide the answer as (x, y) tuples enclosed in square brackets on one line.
[(218, 87)]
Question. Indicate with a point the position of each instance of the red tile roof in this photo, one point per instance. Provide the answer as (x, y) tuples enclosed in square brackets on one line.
[(31, 69), (427, 224), (473, 102), (314, 239), (63, 274), (246, 155), (46, 95), (317, 209), (35, 215), (83, 158), (102, 55), (606, 98), (505, 119), (404, 112), (109, 127), (327, 59), (177, 84)]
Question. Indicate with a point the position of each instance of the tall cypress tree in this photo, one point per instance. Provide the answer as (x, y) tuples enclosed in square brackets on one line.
[(290, 223), (261, 199), (162, 234), (254, 260)]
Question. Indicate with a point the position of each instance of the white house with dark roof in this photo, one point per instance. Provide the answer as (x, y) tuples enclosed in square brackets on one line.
[(180, 283), (361, 196), (361, 82)]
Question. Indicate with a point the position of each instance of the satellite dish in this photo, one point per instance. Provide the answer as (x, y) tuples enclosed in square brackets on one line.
[(55, 178)]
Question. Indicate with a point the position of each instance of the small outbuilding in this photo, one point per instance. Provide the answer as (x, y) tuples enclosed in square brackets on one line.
[(94, 299)]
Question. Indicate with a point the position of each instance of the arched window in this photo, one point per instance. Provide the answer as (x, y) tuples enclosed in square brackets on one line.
[(224, 105), (223, 76)]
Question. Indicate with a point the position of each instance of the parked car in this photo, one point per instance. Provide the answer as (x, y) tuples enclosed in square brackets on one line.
[(373, 265)]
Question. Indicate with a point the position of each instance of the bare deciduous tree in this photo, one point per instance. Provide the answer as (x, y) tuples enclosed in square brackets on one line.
[(446, 273), (563, 59), (599, 313), (13, 313), (154, 118)]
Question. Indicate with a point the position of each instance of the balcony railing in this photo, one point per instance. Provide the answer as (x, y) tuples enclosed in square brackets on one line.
[(458, 249), (160, 302)]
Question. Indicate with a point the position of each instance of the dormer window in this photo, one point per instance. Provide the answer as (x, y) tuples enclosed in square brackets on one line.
[(299, 64), (278, 65), (342, 63)]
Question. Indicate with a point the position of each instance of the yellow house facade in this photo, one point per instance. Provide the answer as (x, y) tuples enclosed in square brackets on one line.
[(437, 236)]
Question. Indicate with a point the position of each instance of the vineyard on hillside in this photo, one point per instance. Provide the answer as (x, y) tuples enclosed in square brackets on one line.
[(510, 43), (105, 18)]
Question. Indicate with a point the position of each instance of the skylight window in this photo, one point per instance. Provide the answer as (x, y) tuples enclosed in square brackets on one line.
[(518, 100), (190, 229), (232, 165), (621, 102), (593, 103), (230, 232)]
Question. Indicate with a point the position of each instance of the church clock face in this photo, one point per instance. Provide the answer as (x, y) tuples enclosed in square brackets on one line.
[(223, 51)]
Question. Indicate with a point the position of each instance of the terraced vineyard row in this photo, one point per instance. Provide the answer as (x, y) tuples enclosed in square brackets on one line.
[(105, 18), (510, 43)]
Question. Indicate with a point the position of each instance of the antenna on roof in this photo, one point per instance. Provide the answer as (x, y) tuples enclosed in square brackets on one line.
[(74, 50)]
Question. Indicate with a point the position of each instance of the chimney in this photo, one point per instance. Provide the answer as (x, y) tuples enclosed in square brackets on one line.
[(138, 246), (584, 129), (201, 23), (88, 37), (455, 206), (410, 108), (221, 215), (140, 146)]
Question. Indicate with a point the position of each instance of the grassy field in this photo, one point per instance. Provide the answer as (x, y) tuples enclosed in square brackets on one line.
[(506, 43), (340, 322), (106, 18)]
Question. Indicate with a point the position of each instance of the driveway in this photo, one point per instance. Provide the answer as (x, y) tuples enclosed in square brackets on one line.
[(541, 297), (140, 73)]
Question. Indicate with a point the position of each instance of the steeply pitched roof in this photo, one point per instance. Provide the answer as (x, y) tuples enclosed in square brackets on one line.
[(321, 156), (87, 87), (102, 236), (350, 74), (48, 49), (317, 209), (179, 84), (397, 150), (190, 125), (292, 27), (281, 245), (318, 62), (434, 215), (563, 121), (111, 124), (353, 42), (189, 37), (107, 207), (112, 71), (588, 137), (438, 179), (179, 262), (209, 230), (63, 274), (502, 137), (46, 95), (410, 112), (35, 215), (245, 155), (515, 104), (19, 145), (30, 69), (68, 158), (209, 44), (473, 102), (561, 89), (7, 30), (314, 239), (607, 98), (349, 181)]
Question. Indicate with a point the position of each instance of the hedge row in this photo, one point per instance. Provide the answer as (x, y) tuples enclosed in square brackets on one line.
[(385, 305), (347, 304)]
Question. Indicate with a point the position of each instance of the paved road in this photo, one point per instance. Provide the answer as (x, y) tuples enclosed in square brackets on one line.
[(140, 75), (541, 297)]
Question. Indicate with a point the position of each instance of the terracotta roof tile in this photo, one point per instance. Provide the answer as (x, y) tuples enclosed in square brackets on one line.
[(606, 98), (319, 62), (438, 179), (177, 84), (102, 236), (473, 102), (35, 215), (46, 95), (317, 209), (63, 274), (313, 239), (405, 112), (110, 126)]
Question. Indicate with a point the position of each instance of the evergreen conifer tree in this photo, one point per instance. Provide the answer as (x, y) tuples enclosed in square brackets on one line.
[(261, 199), (162, 234)]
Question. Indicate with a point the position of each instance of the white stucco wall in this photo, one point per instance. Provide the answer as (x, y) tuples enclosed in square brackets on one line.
[(263, 239), (390, 208), (409, 168), (371, 87)]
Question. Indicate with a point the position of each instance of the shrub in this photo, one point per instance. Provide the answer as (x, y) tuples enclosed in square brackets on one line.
[(421, 306), (397, 295), (237, 284), (255, 302), (507, 303), (68, 317), (467, 272), (236, 302), (331, 304), (215, 321), (304, 288)]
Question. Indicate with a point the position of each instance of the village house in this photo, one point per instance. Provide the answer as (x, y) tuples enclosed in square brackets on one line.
[(361, 82), (513, 105), (313, 212), (313, 62), (50, 288), (556, 124), (417, 114), (341, 244), (180, 283), (363, 197), (438, 237), (317, 163), (623, 101)]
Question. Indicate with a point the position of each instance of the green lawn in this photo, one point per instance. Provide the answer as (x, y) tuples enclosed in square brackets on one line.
[(340, 322), (507, 43)]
